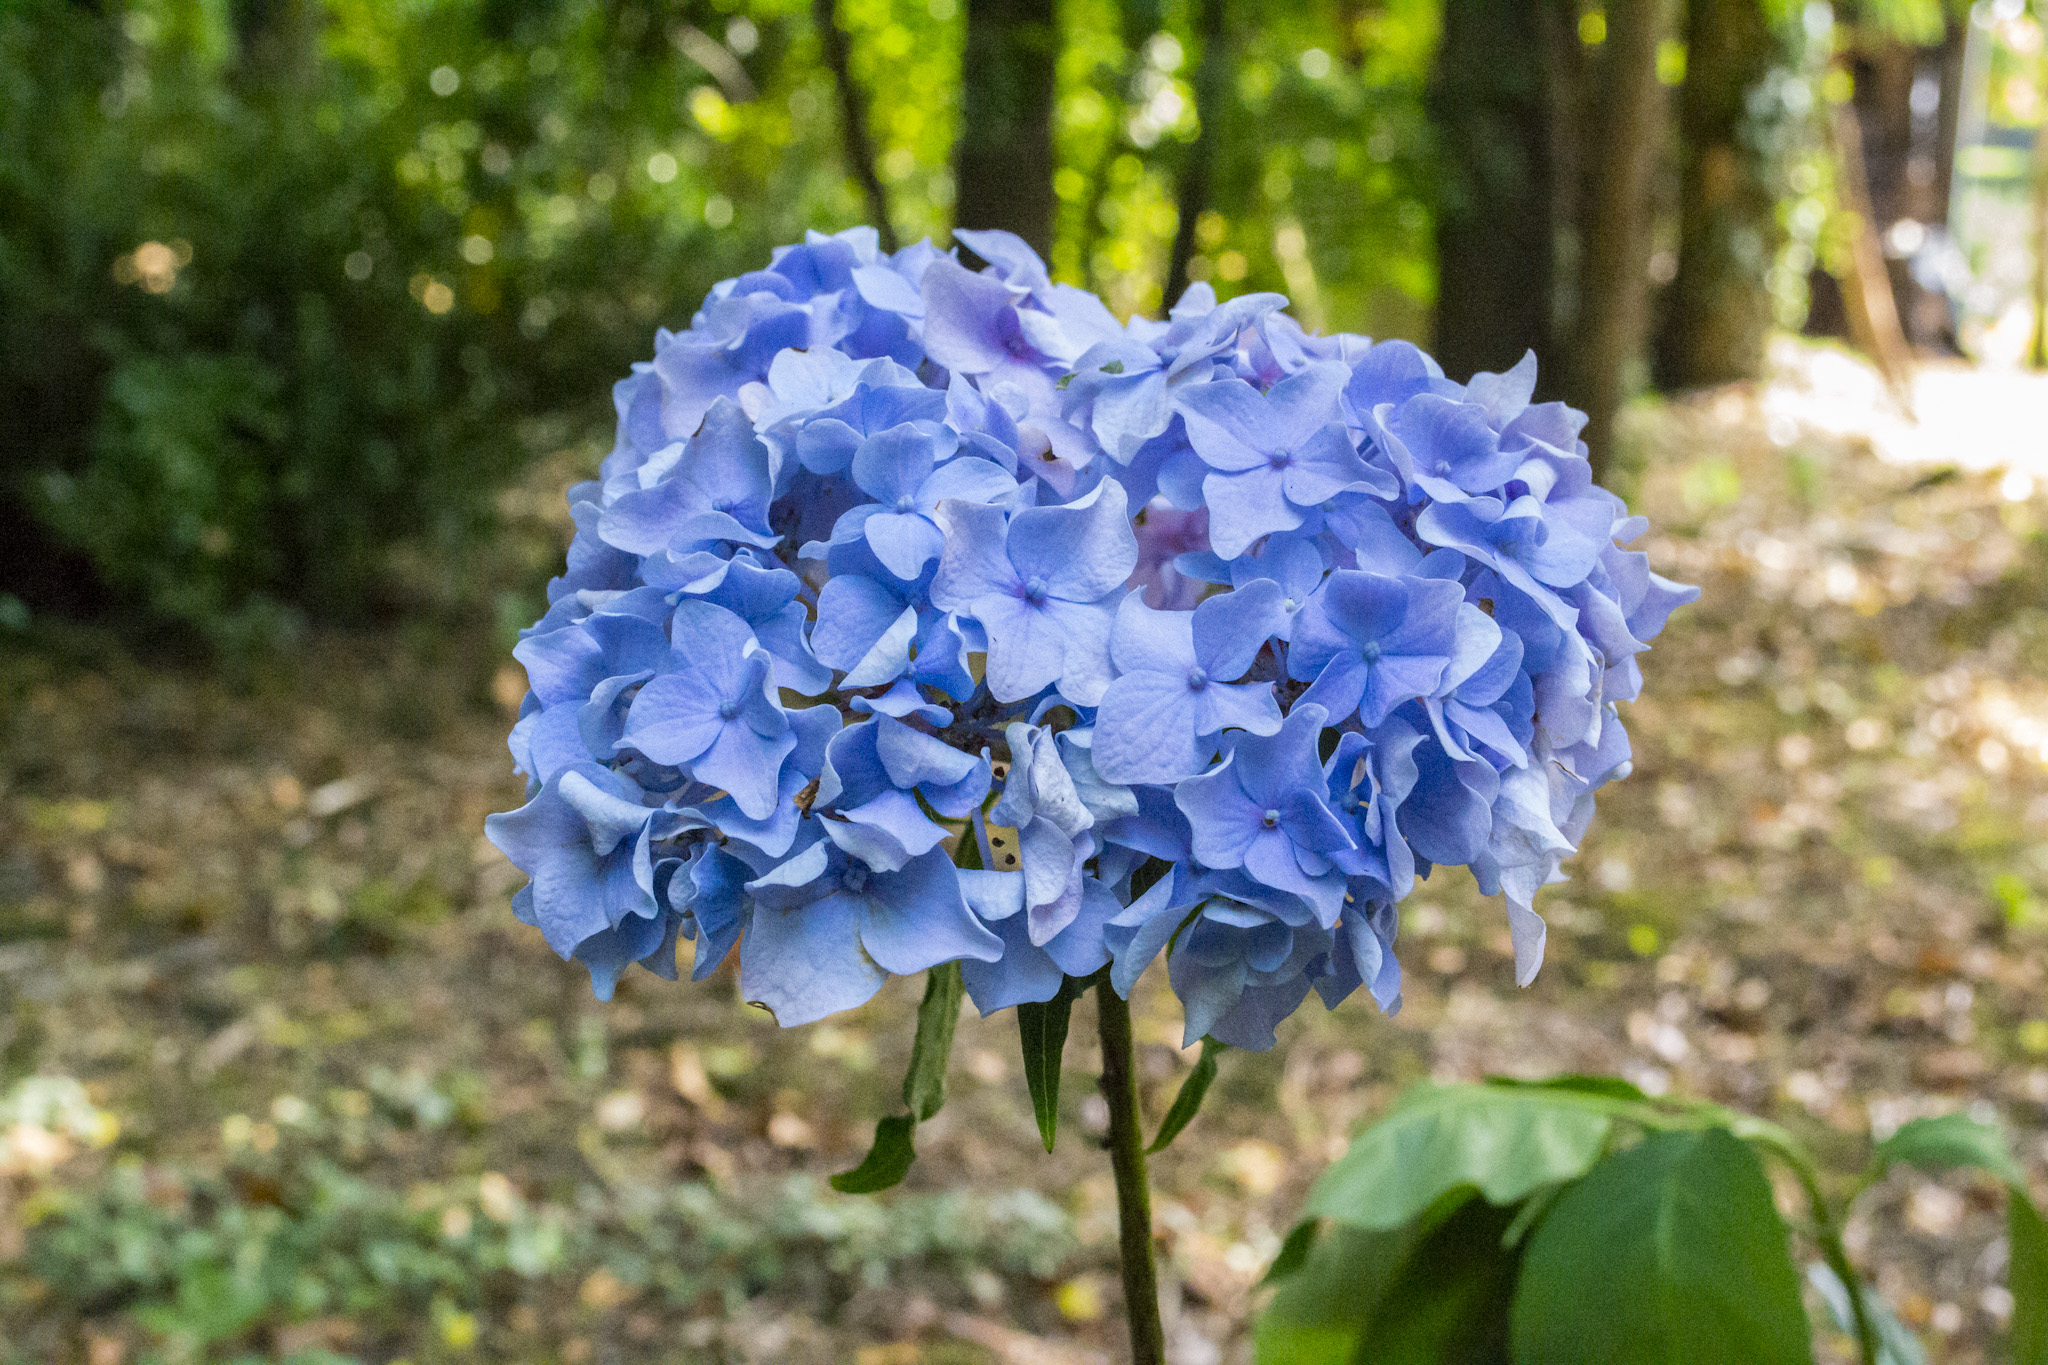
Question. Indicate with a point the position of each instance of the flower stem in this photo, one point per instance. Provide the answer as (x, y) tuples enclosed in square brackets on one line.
[(1133, 1196)]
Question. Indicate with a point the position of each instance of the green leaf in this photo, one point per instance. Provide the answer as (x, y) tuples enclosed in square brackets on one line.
[(1503, 1141), (1607, 1087), (1436, 1290), (1896, 1344), (1671, 1253), (1293, 1253), (1949, 1142), (924, 1085), (1043, 1029), (886, 1163), (2026, 1276), (1323, 1305), (1188, 1102)]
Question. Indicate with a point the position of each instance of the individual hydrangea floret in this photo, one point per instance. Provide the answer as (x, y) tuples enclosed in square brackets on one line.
[(926, 614)]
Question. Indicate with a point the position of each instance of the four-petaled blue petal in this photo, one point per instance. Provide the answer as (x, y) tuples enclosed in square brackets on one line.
[(711, 710), (1263, 809), (1175, 691), (1368, 643), (1044, 582)]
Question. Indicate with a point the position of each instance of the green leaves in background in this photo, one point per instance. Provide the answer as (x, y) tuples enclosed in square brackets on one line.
[(1947, 1143), (924, 1087), (1669, 1252), (1188, 1102), (1953, 1142), (1043, 1030), (1504, 1141), (1578, 1221)]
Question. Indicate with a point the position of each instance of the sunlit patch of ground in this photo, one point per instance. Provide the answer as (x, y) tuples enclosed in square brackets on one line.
[(260, 926)]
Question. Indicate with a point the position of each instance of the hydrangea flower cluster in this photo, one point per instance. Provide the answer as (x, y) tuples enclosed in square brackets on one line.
[(924, 615)]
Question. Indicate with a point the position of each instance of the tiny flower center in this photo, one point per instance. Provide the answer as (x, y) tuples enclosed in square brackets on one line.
[(722, 505), (1197, 679), (855, 877), (906, 504), (728, 708), (1271, 819), (1279, 458), (1034, 590), (1370, 650)]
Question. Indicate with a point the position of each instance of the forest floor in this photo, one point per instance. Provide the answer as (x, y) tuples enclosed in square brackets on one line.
[(337, 1105)]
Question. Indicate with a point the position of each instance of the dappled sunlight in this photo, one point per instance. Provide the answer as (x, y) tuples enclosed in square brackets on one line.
[(1973, 417)]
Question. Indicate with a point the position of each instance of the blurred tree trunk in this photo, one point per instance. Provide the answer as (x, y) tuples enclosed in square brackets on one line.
[(859, 149), (1719, 309), (1003, 163), (1614, 274), (1212, 94), (1491, 106)]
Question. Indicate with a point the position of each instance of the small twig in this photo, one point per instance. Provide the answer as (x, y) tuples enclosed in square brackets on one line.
[(853, 118)]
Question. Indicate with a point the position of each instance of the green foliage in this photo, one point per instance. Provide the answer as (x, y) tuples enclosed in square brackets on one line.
[(1187, 1102), (924, 1087), (1579, 1220), (1668, 1252), (2027, 1279), (887, 1161), (1503, 1141), (1896, 1344), (1433, 1291), (938, 1014), (282, 285), (1042, 1029), (1946, 1143)]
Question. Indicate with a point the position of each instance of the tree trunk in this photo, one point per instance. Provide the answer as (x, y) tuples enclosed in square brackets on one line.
[(1614, 278), (1490, 105), (1003, 162), (1719, 309), (1212, 93)]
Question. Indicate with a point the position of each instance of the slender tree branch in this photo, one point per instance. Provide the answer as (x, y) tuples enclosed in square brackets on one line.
[(853, 118), (1127, 1157), (1212, 91)]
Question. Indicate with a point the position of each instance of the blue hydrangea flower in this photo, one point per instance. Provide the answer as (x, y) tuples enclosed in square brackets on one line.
[(1202, 638)]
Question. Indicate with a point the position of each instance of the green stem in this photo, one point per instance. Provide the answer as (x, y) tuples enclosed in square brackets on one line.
[(1827, 1234), (1133, 1196)]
